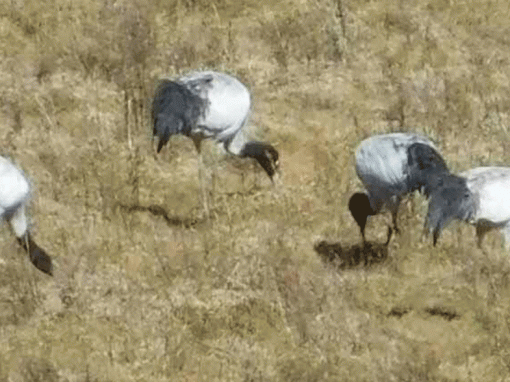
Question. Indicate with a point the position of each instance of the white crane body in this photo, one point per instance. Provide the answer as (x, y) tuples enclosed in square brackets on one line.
[(14, 195)]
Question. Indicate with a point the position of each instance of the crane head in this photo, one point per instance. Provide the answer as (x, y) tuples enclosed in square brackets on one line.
[(359, 205), (265, 154)]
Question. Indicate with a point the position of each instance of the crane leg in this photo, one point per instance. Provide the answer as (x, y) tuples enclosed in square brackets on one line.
[(201, 176), (393, 207), (203, 185), (481, 231), (394, 216), (506, 235)]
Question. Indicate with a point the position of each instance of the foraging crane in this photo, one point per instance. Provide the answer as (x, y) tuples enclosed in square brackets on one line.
[(478, 196), (391, 166), (14, 194), (210, 105)]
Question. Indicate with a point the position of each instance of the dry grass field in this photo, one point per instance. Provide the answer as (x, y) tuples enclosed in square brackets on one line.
[(147, 289)]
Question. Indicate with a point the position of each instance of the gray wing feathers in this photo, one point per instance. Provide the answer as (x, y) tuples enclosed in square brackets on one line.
[(380, 163), (392, 165)]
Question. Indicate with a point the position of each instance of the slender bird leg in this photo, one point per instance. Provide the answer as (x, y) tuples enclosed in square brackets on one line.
[(393, 207), (203, 185), (201, 176), (390, 234), (394, 221), (412, 204), (425, 232), (506, 234), (481, 230)]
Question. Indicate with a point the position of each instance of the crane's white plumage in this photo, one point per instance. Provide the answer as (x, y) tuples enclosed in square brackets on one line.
[(390, 167), (482, 201), (14, 191), (490, 187), (382, 165), (227, 109), (209, 105), (14, 194)]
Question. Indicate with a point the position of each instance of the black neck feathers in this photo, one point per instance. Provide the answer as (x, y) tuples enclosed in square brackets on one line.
[(426, 168)]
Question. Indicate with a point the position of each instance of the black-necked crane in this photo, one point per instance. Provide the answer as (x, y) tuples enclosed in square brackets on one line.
[(209, 105), (14, 195), (478, 196), (391, 166)]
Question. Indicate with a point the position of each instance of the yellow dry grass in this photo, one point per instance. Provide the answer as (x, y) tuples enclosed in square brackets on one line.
[(147, 290)]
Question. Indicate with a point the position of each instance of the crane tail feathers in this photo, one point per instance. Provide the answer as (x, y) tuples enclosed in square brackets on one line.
[(163, 129), (175, 110), (160, 145)]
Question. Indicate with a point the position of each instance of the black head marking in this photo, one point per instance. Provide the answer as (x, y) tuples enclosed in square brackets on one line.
[(360, 208), (265, 154)]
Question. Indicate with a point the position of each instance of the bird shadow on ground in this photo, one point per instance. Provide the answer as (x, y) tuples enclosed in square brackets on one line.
[(252, 190), (353, 255), (447, 313), (174, 221)]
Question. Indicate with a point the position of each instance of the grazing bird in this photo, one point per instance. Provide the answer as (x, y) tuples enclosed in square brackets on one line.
[(477, 196), (210, 105), (391, 166), (14, 194)]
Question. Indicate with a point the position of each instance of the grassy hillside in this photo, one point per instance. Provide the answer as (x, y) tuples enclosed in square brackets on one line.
[(147, 289)]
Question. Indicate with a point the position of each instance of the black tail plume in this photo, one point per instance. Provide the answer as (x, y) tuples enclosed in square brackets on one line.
[(175, 110)]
